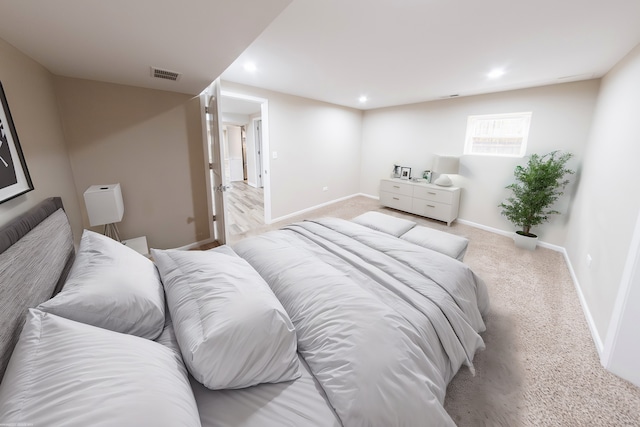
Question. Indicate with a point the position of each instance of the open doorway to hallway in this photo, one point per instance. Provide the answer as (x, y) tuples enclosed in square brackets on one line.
[(243, 138)]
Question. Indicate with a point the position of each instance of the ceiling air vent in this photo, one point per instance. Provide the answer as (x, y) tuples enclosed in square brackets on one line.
[(159, 73)]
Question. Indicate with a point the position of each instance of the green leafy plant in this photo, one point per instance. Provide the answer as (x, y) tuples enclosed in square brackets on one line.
[(538, 185)]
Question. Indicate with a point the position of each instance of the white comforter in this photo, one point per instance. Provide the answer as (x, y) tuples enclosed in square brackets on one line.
[(382, 324)]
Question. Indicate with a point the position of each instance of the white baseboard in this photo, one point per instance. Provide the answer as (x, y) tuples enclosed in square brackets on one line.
[(583, 302), (485, 227), (368, 195), (509, 234), (322, 205), (585, 308), (195, 244)]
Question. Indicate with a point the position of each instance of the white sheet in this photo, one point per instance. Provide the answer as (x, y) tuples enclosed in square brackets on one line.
[(299, 403)]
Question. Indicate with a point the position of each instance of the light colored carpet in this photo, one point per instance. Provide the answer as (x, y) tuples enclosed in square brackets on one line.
[(540, 367)]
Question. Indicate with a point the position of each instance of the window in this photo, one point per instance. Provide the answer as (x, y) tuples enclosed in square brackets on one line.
[(498, 134)]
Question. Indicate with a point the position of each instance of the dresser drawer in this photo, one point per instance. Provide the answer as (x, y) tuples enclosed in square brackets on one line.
[(433, 194), (396, 187), (435, 210), (396, 201)]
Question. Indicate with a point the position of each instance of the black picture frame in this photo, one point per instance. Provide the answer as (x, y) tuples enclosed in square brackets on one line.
[(14, 174), (405, 173)]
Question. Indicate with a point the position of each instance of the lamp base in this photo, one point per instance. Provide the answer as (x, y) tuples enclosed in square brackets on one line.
[(111, 230), (443, 181)]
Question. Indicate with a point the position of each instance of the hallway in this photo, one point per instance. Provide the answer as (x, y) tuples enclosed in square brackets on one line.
[(245, 208)]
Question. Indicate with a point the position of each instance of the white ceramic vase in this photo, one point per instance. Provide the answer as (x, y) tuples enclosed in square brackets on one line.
[(525, 242)]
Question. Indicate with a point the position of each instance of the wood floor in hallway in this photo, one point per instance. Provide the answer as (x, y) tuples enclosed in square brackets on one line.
[(245, 208)]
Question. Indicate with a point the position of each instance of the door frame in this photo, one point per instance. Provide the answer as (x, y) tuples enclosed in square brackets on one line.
[(621, 347), (266, 166), (259, 150), (213, 90)]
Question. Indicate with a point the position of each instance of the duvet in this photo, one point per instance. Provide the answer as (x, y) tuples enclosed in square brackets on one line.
[(382, 324)]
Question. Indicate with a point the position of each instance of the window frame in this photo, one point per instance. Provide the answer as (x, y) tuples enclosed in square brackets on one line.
[(525, 116)]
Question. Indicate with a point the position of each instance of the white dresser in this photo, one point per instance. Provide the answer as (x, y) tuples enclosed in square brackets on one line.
[(420, 198)]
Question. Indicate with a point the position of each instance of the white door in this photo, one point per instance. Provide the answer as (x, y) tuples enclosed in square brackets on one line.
[(234, 153), (216, 162)]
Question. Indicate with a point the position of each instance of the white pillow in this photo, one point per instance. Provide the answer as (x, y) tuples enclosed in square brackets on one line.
[(232, 330), (440, 241), (67, 373), (384, 223), (113, 287)]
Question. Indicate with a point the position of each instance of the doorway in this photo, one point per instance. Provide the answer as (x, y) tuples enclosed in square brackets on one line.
[(235, 153), (245, 120)]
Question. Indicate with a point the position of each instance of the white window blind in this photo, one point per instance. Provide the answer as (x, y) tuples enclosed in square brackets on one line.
[(498, 134)]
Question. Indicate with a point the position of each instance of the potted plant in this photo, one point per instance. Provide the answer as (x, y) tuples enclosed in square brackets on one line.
[(538, 185)]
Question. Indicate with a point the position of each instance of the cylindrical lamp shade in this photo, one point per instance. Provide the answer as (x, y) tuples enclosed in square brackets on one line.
[(104, 204), (446, 164)]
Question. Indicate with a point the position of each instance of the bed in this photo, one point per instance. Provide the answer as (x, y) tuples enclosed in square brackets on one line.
[(322, 323)]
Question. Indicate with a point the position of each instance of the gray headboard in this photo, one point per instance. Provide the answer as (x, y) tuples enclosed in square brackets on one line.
[(36, 253)]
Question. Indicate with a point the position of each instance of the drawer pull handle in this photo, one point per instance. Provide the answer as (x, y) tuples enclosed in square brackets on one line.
[(395, 198), (430, 206), (395, 186), (429, 192)]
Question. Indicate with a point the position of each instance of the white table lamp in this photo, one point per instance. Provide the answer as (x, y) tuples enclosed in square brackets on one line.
[(444, 165), (105, 207)]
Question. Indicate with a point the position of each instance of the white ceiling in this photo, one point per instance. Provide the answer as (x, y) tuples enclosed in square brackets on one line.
[(118, 41), (393, 51), (406, 51)]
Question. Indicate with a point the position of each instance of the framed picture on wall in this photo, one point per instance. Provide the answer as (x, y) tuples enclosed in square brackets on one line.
[(14, 175), (405, 173)]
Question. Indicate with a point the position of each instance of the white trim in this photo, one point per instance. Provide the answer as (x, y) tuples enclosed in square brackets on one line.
[(303, 211), (485, 227), (195, 244), (551, 246), (508, 234), (241, 96), (583, 302), (368, 196), (630, 274), (266, 160), (585, 308), (205, 147)]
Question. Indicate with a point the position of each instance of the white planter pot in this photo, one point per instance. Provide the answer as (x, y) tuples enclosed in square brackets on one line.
[(525, 242)]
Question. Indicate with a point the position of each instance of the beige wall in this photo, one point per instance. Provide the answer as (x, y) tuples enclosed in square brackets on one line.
[(412, 134), (318, 145), (30, 94), (607, 202), (150, 142)]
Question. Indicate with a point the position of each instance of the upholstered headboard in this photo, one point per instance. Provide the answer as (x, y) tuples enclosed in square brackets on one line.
[(36, 253)]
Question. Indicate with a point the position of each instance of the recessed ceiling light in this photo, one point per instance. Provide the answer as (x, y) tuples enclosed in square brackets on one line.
[(362, 99), (250, 67), (496, 73)]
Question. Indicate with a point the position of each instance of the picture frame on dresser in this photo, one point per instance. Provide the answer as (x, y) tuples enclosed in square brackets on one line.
[(405, 173), (14, 174)]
